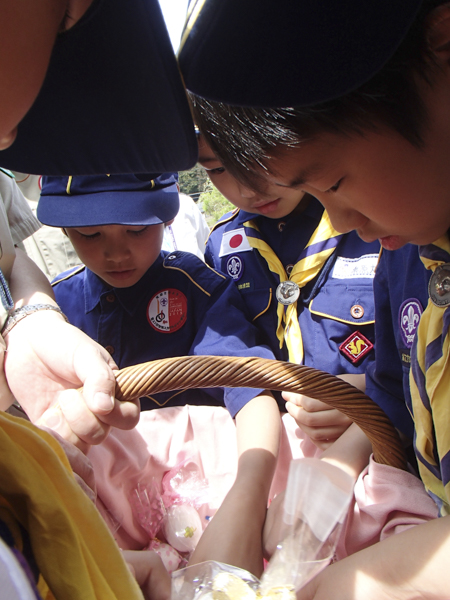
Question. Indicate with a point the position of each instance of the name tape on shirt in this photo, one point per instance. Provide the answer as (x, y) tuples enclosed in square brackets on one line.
[(355, 268), (234, 241)]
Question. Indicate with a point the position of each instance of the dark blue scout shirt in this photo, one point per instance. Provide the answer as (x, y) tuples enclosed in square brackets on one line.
[(332, 308), (179, 307), (401, 295)]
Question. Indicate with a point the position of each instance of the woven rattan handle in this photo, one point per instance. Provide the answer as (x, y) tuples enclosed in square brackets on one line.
[(187, 372)]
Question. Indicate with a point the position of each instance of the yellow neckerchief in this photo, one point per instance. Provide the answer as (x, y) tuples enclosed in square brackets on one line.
[(321, 245), (430, 387), (74, 550)]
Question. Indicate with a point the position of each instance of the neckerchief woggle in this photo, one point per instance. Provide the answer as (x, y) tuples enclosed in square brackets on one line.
[(320, 247), (430, 387)]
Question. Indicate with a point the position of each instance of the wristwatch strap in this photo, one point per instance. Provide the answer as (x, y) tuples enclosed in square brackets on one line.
[(20, 313)]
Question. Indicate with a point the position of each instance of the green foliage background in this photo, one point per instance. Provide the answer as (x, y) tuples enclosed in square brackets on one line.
[(195, 183)]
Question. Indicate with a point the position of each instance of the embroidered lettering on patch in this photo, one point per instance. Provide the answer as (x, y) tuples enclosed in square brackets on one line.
[(167, 310), (355, 268), (234, 241), (356, 346), (408, 317), (406, 359)]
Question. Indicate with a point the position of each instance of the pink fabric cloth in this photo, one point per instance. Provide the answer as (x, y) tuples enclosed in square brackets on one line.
[(386, 500)]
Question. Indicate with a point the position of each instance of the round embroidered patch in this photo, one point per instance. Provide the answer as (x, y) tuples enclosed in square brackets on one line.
[(235, 267), (409, 317), (167, 310)]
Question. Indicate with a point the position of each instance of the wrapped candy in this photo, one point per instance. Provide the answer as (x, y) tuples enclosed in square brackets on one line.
[(169, 511), (182, 527)]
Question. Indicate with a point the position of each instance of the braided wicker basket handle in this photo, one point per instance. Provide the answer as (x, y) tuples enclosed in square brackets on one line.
[(187, 372)]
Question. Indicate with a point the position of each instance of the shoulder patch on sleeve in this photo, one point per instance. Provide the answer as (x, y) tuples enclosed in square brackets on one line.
[(67, 274), (200, 274)]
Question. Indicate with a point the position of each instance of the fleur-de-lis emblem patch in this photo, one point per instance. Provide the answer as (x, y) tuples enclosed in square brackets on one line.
[(356, 346), (408, 319)]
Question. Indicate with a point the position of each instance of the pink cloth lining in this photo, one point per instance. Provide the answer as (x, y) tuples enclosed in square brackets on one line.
[(386, 500)]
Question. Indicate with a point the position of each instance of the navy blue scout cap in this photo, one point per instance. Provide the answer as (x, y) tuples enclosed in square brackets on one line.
[(280, 53), (86, 201), (112, 101)]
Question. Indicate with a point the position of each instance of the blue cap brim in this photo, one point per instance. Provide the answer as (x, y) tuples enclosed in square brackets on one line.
[(109, 208), (281, 53), (112, 101)]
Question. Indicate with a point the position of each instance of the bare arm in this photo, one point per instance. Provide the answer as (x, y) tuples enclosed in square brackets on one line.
[(411, 565), (234, 536)]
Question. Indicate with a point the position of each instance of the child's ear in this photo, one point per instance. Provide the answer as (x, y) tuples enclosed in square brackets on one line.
[(169, 223), (438, 34)]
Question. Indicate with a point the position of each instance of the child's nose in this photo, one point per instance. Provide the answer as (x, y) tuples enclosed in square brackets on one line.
[(116, 252), (246, 192)]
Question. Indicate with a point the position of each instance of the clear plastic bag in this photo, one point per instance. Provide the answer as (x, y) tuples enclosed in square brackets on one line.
[(315, 504)]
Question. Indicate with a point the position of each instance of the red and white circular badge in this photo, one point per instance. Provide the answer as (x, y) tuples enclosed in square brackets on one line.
[(167, 310)]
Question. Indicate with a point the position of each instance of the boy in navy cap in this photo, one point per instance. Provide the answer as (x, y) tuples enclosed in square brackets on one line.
[(365, 128), (142, 304)]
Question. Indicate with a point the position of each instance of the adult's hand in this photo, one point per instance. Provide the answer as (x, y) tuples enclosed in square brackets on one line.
[(47, 360)]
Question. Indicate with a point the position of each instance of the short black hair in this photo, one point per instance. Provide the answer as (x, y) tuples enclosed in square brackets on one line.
[(244, 137)]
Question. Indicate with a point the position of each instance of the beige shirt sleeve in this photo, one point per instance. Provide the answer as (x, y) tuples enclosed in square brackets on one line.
[(17, 221)]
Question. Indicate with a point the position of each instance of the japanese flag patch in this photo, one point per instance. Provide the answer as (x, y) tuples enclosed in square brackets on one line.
[(167, 310), (234, 241)]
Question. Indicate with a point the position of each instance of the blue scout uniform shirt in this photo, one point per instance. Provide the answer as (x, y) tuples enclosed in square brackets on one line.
[(332, 308), (179, 307), (401, 295)]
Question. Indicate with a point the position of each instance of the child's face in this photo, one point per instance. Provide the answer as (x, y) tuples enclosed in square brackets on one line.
[(274, 203), (118, 254), (27, 34), (377, 184)]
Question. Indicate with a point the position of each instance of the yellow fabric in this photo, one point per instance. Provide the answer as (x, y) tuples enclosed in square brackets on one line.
[(430, 385), (304, 270), (74, 551)]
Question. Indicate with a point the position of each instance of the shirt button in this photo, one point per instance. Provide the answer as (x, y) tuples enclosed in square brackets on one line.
[(110, 349), (110, 298), (357, 311), (281, 226)]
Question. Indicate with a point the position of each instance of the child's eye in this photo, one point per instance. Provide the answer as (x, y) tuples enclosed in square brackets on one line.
[(89, 236), (138, 232), (335, 187), (216, 171)]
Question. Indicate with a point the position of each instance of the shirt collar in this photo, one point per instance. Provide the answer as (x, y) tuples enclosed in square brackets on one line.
[(129, 297)]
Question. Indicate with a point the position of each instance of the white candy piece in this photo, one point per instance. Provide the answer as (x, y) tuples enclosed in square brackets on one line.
[(182, 527)]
